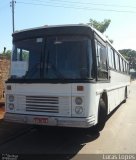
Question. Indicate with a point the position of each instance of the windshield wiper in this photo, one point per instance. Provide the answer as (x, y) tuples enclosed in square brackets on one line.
[(52, 66), (57, 72), (30, 73)]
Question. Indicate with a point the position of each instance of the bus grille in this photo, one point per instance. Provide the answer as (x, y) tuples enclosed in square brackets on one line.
[(42, 104)]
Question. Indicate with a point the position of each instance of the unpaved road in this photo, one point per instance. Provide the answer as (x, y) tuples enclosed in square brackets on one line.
[(118, 136)]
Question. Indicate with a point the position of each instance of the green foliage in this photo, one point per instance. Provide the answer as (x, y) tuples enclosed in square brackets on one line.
[(130, 55), (25, 55), (6, 54), (111, 41), (100, 26)]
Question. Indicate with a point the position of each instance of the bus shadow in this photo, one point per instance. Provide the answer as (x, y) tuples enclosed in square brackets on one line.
[(71, 140), (63, 143), (110, 115), (53, 142)]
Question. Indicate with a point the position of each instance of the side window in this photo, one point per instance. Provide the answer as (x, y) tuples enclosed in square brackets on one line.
[(103, 57), (124, 66), (111, 57), (101, 61), (25, 55), (21, 55), (117, 61), (121, 66), (128, 67)]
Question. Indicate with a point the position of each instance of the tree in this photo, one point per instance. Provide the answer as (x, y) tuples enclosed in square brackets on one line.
[(130, 55), (100, 26), (7, 53)]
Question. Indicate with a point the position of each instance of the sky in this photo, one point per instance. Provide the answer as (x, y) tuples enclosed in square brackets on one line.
[(36, 13)]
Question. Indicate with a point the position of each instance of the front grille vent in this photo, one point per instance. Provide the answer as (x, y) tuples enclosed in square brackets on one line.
[(42, 104)]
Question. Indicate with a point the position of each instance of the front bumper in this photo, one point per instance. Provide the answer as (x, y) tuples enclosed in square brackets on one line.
[(52, 121)]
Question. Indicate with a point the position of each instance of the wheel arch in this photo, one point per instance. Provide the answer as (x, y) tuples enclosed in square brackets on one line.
[(102, 111), (104, 96), (126, 92)]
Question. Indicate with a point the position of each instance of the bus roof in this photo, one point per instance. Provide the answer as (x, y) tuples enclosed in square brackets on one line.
[(52, 26), (53, 30), (83, 29)]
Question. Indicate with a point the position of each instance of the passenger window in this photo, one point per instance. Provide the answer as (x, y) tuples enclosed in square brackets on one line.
[(111, 57), (102, 61), (117, 61), (128, 67), (124, 66), (121, 67)]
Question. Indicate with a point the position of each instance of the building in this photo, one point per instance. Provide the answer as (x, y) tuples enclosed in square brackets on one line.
[(4, 72)]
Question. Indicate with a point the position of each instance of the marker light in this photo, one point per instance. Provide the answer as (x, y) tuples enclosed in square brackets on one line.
[(11, 98), (79, 109), (80, 88), (11, 106), (8, 87), (78, 100)]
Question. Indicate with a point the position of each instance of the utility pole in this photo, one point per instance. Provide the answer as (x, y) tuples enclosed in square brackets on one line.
[(12, 4)]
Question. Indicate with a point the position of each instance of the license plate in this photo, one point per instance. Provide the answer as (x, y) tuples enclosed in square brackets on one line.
[(39, 120)]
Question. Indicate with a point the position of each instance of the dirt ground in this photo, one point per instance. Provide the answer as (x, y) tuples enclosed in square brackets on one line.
[(2, 111)]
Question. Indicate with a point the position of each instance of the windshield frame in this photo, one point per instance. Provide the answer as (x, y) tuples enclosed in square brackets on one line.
[(44, 53)]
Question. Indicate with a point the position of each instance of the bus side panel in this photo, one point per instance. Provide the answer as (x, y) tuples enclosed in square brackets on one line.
[(117, 86), (115, 89), (111, 98), (115, 97)]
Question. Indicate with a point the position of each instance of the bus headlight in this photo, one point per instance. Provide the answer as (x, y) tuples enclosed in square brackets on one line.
[(78, 100), (11, 106), (79, 109), (11, 98)]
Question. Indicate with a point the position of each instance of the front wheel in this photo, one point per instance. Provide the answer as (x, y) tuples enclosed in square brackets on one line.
[(102, 115)]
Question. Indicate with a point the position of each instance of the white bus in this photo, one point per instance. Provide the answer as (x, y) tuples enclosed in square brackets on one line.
[(68, 76)]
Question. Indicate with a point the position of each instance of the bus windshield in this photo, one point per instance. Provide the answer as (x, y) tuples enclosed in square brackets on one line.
[(55, 57)]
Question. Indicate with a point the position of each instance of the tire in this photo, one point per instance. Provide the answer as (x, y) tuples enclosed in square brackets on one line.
[(102, 116)]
